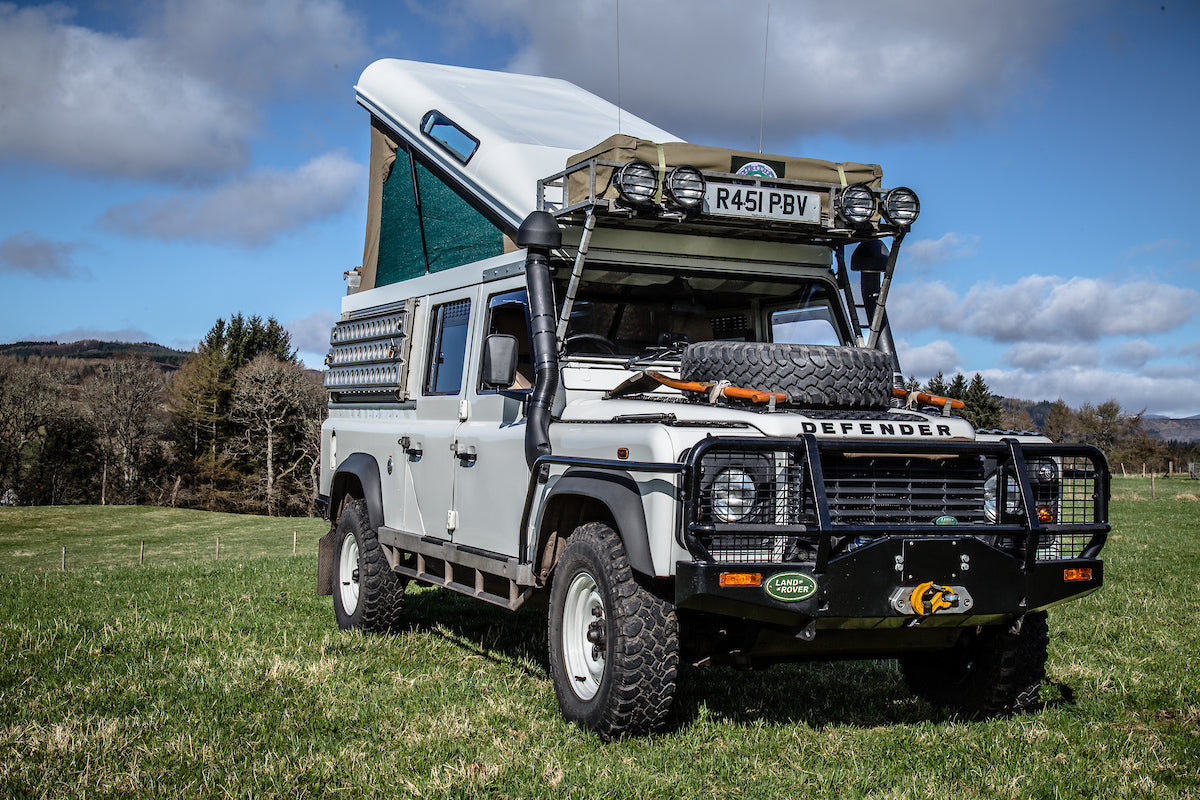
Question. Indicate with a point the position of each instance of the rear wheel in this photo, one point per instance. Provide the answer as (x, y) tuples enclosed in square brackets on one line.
[(367, 594), (614, 645), (991, 672)]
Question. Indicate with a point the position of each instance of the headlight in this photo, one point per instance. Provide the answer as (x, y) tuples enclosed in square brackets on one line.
[(685, 187), (901, 206), (636, 182), (733, 495), (856, 203), (990, 492)]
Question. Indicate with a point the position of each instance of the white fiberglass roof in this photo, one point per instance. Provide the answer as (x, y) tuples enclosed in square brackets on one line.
[(527, 126)]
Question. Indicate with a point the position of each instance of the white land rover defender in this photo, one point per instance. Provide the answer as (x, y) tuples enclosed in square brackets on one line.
[(635, 376)]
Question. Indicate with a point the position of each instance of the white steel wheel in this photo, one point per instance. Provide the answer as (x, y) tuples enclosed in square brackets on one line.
[(348, 574), (583, 636)]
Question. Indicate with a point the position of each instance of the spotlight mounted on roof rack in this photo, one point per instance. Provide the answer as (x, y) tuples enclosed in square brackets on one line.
[(855, 204), (636, 183), (685, 187), (901, 206)]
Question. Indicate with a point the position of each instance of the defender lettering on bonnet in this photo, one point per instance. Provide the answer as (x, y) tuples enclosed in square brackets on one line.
[(631, 376)]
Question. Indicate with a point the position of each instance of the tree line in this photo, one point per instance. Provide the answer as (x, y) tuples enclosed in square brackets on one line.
[(1118, 433), (235, 428)]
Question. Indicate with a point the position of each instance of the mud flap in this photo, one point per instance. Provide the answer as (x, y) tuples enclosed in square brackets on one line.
[(325, 562)]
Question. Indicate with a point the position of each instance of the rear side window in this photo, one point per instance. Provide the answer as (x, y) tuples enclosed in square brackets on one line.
[(448, 348)]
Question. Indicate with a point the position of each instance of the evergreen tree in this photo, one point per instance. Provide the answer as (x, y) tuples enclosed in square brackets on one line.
[(1060, 423), (937, 385), (957, 388), (982, 409)]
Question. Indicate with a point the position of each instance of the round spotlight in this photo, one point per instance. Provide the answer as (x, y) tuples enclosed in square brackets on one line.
[(856, 203), (636, 182), (1045, 471), (685, 187), (733, 495), (901, 206)]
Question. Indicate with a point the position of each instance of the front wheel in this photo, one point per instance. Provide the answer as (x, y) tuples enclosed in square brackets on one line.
[(991, 672), (614, 645), (367, 594)]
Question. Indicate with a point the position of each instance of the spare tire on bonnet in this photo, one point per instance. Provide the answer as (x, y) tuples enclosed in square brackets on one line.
[(817, 376)]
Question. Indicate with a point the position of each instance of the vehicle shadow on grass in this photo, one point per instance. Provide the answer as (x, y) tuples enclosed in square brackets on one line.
[(862, 694), (500, 636), (816, 694)]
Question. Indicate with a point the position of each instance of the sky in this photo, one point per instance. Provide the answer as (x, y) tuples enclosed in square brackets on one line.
[(165, 163)]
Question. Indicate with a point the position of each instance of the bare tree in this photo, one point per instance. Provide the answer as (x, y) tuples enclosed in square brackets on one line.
[(276, 402), (122, 399), (30, 396)]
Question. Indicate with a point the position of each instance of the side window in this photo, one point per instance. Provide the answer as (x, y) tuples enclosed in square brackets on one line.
[(509, 313), (448, 348)]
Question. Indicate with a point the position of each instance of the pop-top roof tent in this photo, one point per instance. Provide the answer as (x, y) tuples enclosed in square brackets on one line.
[(526, 126), (472, 145)]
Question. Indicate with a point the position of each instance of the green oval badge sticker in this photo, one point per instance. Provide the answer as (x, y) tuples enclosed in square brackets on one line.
[(790, 587), (946, 520)]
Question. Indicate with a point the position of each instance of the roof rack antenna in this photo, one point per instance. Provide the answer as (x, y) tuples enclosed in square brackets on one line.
[(618, 66), (762, 104)]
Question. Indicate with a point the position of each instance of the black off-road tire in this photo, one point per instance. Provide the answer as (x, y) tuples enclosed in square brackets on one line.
[(816, 376), (992, 672), (630, 666), (373, 591)]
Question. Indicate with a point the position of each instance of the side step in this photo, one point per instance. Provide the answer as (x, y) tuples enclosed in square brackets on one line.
[(492, 577)]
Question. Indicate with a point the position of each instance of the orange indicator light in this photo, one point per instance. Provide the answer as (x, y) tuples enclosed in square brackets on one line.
[(1045, 515), (1077, 574), (741, 579), (622, 453)]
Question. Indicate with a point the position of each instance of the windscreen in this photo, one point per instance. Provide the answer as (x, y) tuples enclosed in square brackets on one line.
[(629, 313)]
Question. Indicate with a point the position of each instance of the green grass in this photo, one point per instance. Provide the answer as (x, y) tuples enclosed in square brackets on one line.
[(229, 679)]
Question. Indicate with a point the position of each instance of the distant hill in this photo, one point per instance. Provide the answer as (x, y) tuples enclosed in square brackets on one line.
[(1173, 430), (89, 349)]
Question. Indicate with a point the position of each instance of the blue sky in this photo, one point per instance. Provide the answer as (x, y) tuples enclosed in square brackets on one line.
[(168, 162)]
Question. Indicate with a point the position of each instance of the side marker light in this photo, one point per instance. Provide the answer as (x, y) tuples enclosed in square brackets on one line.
[(741, 579), (1077, 574)]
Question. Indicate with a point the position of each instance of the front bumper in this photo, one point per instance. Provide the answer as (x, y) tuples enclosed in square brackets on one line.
[(896, 581)]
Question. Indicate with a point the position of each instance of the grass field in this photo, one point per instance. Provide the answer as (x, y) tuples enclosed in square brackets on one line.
[(228, 678)]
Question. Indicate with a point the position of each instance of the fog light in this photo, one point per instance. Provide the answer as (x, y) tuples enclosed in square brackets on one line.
[(636, 182), (856, 203), (901, 206), (685, 187)]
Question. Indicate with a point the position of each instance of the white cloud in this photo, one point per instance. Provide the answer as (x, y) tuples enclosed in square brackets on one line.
[(1134, 353), (250, 211), (26, 252), (261, 46), (175, 104), (1173, 395), (311, 334), (950, 247), (1041, 308), (928, 359), (110, 105), (1037, 356), (856, 68)]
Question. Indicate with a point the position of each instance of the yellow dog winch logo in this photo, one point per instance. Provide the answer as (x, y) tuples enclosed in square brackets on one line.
[(937, 597)]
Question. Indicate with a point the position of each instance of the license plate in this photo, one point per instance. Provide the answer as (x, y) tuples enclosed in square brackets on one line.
[(762, 202)]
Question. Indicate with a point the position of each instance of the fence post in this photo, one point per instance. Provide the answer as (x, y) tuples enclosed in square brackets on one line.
[(64, 559), (217, 557), (142, 553), (293, 543), (1152, 494)]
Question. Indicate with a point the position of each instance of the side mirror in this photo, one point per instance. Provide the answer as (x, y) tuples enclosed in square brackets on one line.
[(499, 361)]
